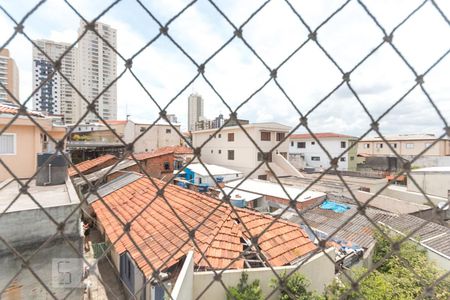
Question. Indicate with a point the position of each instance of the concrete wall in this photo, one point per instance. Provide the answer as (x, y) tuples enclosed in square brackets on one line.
[(155, 138), (402, 193), (432, 183), (296, 160), (333, 146), (184, 285), (430, 161), (319, 270), (16, 226)]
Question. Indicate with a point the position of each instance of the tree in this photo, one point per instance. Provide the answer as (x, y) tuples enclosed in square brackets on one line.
[(245, 291), (296, 287), (403, 275)]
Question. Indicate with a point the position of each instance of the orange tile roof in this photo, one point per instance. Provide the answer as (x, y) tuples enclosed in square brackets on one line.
[(89, 164), (163, 239), (319, 135), (14, 110), (163, 151)]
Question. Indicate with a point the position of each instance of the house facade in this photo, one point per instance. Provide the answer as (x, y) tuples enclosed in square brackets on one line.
[(408, 145), (232, 148), (23, 140), (304, 147)]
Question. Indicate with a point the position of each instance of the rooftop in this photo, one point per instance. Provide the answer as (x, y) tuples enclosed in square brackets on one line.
[(433, 169), (126, 163), (263, 125), (320, 135), (264, 187), (163, 151), (14, 110), (213, 169), (46, 196), (87, 165), (161, 236)]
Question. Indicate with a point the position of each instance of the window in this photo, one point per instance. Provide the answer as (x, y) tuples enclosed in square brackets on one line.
[(265, 136), (427, 145), (280, 136), (379, 146), (352, 158), (260, 156), (231, 137), (301, 145), (315, 158), (230, 154), (409, 146), (313, 143), (292, 144), (166, 166), (366, 146), (342, 159), (220, 136), (212, 151), (220, 151), (343, 144), (168, 130), (8, 144), (394, 145), (262, 177), (142, 129)]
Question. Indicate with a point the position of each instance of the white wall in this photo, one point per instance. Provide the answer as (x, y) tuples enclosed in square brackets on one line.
[(319, 270), (432, 183), (333, 146), (154, 138), (184, 285), (226, 178), (245, 152)]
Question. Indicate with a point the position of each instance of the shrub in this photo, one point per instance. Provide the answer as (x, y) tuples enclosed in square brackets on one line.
[(245, 291)]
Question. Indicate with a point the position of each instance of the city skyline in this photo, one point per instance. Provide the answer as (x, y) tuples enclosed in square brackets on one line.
[(235, 73)]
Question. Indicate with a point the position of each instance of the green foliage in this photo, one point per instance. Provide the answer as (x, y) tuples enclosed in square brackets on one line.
[(403, 275), (245, 291), (296, 287)]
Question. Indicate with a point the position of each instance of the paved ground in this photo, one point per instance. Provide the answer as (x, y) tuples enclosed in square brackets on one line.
[(109, 287)]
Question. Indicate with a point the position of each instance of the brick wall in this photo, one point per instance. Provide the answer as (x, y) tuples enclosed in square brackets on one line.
[(300, 205)]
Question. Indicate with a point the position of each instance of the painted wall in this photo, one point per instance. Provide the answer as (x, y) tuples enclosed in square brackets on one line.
[(184, 285), (441, 148), (318, 279), (158, 136), (333, 146), (29, 142), (432, 183), (245, 152)]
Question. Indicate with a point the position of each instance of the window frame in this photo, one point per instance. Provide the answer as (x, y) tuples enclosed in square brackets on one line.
[(14, 135), (313, 158), (343, 144), (228, 154), (280, 136), (299, 143), (230, 134), (409, 144), (267, 133)]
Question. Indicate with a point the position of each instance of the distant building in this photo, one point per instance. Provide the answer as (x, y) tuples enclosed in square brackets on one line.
[(172, 118), (55, 96), (197, 174), (306, 148), (232, 148), (404, 145), (23, 140), (97, 69), (9, 77), (195, 110)]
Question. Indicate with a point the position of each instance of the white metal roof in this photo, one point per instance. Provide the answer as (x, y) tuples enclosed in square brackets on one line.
[(247, 196), (264, 187), (433, 169), (213, 169)]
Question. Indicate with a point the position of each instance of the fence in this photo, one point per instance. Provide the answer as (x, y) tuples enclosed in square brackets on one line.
[(428, 287)]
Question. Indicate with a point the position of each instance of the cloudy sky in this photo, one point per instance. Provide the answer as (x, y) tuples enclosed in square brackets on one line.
[(274, 33)]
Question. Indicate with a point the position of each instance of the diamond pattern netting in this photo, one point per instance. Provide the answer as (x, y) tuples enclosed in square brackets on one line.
[(236, 33)]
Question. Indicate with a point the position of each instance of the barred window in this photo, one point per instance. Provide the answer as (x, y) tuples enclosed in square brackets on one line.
[(8, 144), (265, 136)]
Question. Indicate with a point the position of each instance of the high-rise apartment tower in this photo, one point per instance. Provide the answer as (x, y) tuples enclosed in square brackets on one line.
[(9, 77), (195, 110)]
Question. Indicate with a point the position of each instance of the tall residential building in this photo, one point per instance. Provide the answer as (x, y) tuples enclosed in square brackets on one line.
[(56, 96), (9, 77), (97, 69), (195, 110)]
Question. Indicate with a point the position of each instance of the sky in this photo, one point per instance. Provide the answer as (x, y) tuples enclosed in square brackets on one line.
[(274, 33)]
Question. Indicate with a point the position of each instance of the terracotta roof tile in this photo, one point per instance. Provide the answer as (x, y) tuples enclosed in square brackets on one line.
[(159, 232), (14, 110), (319, 135), (163, 151), (89, 164)]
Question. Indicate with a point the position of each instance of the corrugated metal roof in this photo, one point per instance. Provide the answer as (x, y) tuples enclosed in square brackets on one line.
[(114, 185), (100, 173)]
